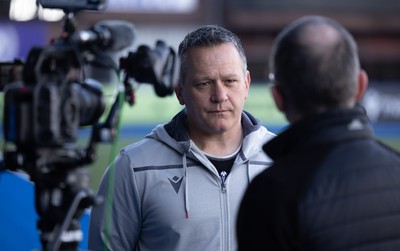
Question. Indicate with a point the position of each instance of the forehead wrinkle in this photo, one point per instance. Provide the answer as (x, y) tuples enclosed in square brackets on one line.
[(223, 62)]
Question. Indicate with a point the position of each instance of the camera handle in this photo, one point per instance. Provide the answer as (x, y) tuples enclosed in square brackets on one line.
[(60, 204), (59, 232)]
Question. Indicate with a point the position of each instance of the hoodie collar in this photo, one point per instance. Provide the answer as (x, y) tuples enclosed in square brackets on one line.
[(177, 128)]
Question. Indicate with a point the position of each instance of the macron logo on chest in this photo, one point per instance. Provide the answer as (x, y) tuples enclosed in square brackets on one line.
[(176, 183)]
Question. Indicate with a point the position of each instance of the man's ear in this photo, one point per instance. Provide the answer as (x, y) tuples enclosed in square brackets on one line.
[(278, 97), (179, 96), (362, 85), (247, 83)]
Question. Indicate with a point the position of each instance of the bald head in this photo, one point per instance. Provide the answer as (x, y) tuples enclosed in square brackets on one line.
[(315, 65), (319, 38)]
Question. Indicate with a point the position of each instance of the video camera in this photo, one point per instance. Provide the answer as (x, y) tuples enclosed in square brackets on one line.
[(48, 98)]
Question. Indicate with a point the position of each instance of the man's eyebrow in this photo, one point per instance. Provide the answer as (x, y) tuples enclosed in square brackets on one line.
[(231, 75)]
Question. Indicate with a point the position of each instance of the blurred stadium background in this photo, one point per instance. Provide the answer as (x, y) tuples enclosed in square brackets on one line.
[(375, 25)]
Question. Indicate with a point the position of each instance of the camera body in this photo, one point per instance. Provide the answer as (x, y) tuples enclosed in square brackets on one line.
[(44, 107), (47, 98), (49, 115)]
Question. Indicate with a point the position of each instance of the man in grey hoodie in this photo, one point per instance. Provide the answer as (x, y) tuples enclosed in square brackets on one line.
[(180, 187)]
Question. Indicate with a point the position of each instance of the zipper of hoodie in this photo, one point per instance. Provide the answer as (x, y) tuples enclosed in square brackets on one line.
[(224, 212), (223, 175)]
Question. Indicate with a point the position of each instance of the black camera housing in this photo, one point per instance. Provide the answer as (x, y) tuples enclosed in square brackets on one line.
[(46, 109)]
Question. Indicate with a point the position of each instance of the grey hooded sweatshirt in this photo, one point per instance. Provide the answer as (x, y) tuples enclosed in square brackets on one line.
[(162, 193)]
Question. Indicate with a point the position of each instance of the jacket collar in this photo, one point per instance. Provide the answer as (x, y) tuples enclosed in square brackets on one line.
[(329, 127)]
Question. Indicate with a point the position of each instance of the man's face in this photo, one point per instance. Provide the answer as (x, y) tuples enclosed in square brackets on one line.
[(214, 89)]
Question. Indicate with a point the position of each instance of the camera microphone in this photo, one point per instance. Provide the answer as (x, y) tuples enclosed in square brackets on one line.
[(109, 35)]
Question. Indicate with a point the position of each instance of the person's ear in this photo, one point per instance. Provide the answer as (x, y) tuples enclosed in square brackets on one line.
[(178, 93), (247, 83), (362, 85), (278, 97)]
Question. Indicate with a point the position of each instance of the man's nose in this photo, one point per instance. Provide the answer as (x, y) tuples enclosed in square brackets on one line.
[(219, 93)]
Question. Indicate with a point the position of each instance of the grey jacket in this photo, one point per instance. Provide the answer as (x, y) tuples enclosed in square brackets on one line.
[(168, 196)]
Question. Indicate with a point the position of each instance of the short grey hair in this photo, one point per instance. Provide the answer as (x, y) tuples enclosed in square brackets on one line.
[(209, 36)]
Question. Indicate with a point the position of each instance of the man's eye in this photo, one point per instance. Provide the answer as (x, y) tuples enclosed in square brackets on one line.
[(202, 84), (230, 81)]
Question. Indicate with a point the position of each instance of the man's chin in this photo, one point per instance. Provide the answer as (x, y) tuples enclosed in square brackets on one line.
[(219, 128)]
